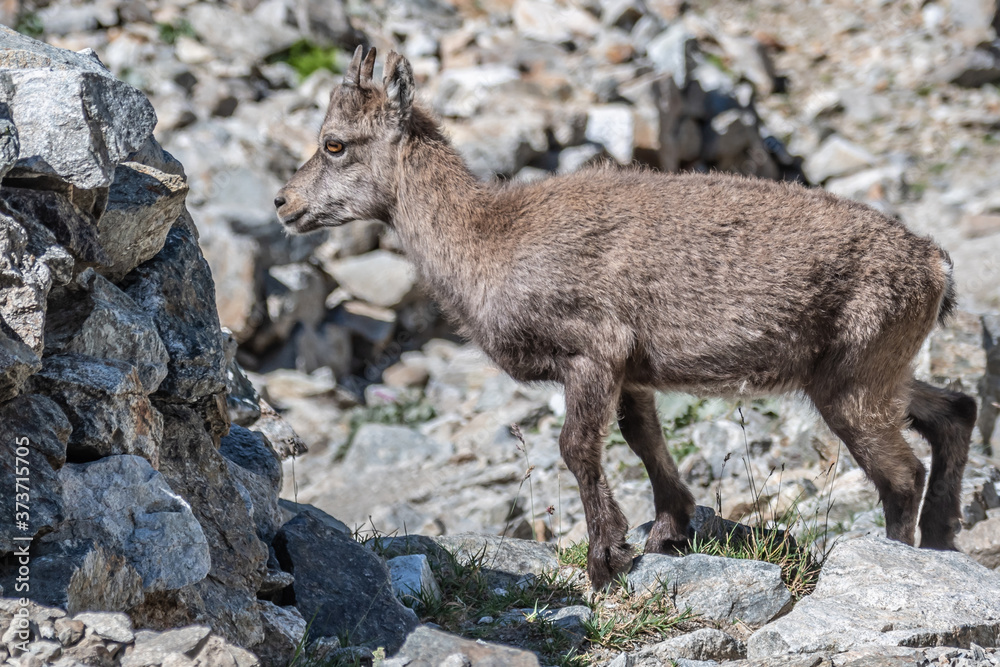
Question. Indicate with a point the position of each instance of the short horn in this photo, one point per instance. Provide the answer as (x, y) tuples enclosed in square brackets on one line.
[(368, 66), (352, 76)]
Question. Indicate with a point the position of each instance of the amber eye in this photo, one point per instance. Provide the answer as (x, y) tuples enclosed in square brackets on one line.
[(333, 146)]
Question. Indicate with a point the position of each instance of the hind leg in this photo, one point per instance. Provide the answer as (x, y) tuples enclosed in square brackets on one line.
[(945, 418), (869, 422), (672, 501)]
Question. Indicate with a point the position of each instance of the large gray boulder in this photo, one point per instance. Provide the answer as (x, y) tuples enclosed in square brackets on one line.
[(341, 585), (74, 119), (877, 592), (125, 505), (67, 214), (718, 589), (254, 465), (196, 471)]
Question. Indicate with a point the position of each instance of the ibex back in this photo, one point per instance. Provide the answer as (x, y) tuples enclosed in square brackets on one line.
[(618, 282)]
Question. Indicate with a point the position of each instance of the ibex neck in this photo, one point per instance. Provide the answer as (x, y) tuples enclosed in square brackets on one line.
[(441, 210)]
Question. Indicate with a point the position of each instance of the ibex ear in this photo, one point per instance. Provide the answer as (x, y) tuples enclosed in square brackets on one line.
[(399, 85), (352, 77)]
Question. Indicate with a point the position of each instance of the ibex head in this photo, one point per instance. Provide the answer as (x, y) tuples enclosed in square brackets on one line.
[(352, 175)]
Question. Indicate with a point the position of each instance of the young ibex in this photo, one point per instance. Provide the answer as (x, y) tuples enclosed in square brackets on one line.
[(618, 282)]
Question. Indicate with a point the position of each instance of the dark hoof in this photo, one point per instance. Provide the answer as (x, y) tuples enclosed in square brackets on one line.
[(604, 564)]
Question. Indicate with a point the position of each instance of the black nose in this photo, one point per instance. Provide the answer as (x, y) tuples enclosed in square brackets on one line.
[(279, 201)]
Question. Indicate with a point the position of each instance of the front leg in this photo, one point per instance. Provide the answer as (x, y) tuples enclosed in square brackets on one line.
[(591, 391)]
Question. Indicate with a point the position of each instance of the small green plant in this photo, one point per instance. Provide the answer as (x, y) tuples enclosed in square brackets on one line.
[(30, 24), (622, 620), (575, 554), (306, 57), (169, 32)]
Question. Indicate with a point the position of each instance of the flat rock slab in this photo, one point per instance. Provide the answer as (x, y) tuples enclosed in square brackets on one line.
[(426, 647), (704, 644), (873, 591), (720, 589), (505, 560)]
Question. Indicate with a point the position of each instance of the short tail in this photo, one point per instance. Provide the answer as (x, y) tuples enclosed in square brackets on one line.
[(950, 295)]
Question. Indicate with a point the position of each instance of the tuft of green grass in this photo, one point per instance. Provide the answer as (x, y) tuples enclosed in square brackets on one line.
[(169, 32), (799, 568), (306, 57), (622, 621), (575, 555)]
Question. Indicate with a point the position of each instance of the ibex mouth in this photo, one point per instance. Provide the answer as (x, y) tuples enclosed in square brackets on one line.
[(291, 219)]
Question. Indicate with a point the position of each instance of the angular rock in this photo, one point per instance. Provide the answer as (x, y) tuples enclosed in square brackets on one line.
[(278, 433), (324, 560), (284, 628), (413, 579), (295, 293), (122, 503), (154, 648), (720, 589), (379, 277), (17, 363), (10, 146), (975, 68), (612, 126), (74, 119), (176, 289), (74, 228), (253, 463), (671, 53), (106, 405), (836, 157), (376, 445), (30, 263), (494, 143), (428, 647), (197, 472), (372, 323), (35, 422), (570, 620), (505, 560), (237, 271), (876, 592), (704, 644), (112, 626), (143, 204), (99, 320), (982, 542), (104, 581)]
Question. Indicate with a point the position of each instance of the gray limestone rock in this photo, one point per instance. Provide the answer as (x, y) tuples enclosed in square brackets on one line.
[(143, 204), (175, 287), (324, 559), (720, 589), (37, 424), (428, 647), (31, 262), (74, 119), (121, 502), (99, 320), (704, 644), (284, 628), (876, 592), (106, 404), (376, 445)]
